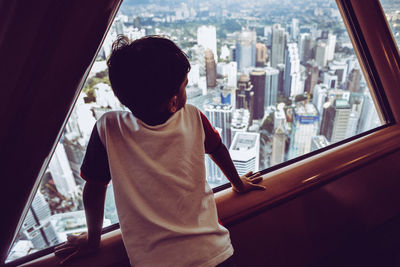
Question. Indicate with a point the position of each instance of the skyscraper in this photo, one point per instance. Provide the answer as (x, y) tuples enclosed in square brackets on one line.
[(220, 116), (245, 152), (245, 95), (246, 49), (369, 117), (353, 82), (312, 73), (207, 38), (304, 127), (211, 69), (335, 120), (257, 78), (271, 86), (278, 146), (261, 55), (339, 68), (331, 44), (279, 38), (292, 82), (330, 79), (320, 96), (306, 44), (294, 29), (321, 53), (61, 173)]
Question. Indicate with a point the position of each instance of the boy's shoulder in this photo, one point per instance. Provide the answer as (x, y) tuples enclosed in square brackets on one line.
[(117, 118)]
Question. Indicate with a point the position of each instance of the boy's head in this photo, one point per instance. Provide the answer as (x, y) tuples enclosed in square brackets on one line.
[(147, 76)]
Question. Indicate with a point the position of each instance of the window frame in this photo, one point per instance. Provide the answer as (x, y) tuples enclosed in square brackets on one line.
[(351, 12)]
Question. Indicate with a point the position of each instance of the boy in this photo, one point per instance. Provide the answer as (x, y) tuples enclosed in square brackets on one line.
[(155, 158)]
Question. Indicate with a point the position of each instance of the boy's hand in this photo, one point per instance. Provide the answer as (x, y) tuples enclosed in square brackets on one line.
[(76, 246), (250, 182)]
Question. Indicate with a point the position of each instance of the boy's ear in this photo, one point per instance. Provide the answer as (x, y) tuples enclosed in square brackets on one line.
[(173, 104)]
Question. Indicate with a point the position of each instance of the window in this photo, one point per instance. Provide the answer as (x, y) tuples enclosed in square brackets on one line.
[(277, 79), (392, 12)]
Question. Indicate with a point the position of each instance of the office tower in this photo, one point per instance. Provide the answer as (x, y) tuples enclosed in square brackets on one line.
[(312, 73), (334, 94), (211, 69), (245, 95), (306, 44), (194, 75), (281, 78), (369, 118), (353, 82), (257, 78), (271, 86), (240, 121), (294, 29), (225, 53), (61, 172), (335, 120), (279, 117), (278, 146), (279, 38), (261, 55), (232, 53), (220, 116), (292, 82), (268, 35), (320, 96), (339, 68), (304, 127), (245, 152), (228, 71), (75, 148), (330, 79), (246, 49), (321, 54), (352, 123), (37, 227), (207, 38), (331, 43), (318, 142)]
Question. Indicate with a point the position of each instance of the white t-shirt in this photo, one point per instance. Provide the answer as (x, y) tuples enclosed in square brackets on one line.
[(166, 208)]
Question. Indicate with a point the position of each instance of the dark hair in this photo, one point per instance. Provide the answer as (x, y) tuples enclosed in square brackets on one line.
[(146, 73)]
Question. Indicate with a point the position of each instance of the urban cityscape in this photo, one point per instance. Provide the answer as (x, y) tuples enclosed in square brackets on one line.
[(277, 80)]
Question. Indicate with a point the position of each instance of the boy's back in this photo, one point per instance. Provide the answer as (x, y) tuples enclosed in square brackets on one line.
[(165, 207)]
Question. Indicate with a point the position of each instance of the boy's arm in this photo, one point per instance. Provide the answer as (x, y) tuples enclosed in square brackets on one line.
[(240, 184)]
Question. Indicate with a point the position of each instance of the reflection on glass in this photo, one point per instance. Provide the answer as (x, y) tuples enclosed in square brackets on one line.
[(277, 79)]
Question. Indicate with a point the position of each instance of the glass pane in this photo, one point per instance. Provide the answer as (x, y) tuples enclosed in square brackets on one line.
[(277, 79), (392, 12)]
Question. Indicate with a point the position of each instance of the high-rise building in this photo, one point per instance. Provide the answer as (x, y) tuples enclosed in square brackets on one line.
[(321, 53), (220, 116), (281, 78), (207, 38), (312, 73), (330, 79), (211, 69), (352, 123), (257, 78), (61, 173), (240, 121), (304, 127), (268, 35), (306, 44), (320, 96), (279, 39), (246, 49), (294, 29), (261, 54), (271, 86), (292, 82), (245, 95), (37, 227), (339, 68), (369, 118), (245, 152), (353, 82), (335, 120), (331, 44), (278, 146), (228, 71), (318, 142)]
